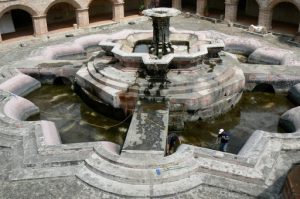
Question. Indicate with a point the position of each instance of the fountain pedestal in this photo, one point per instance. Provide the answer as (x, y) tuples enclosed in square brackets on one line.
[(161, 44)]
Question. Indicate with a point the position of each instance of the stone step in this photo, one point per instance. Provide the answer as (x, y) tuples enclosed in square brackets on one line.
[(229, 61), (222, 168), (114, 71), (184, 153), (140, 190), (200, 84), (104, 80), (107, 94), (227, 157), (116, 74), (217, 108), (218, 92), (132, 175), (199, 89), (112, 186), (236, 75), (187, 78)]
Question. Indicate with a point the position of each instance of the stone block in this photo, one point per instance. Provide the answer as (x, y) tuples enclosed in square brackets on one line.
[(243, 46), (294, 94), (290, 120), (268, 55)]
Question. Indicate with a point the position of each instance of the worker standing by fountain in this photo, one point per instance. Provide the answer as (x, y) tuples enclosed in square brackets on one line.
[(223, 138), (173, 141)]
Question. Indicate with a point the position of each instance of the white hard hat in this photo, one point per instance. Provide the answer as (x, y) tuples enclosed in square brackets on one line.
[(221, 131)]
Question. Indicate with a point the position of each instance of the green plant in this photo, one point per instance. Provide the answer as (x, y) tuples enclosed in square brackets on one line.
[(142, 7)]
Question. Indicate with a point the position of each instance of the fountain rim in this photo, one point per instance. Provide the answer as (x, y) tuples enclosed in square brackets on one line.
[(161, 12)]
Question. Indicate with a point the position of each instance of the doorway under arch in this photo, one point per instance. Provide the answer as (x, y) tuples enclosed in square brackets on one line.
[(16, 23), (132, 7), (100, 10), (264, 87), (189, 6), (215, 8), (165, 3), (248, 11), (61, 15), (285, 18)]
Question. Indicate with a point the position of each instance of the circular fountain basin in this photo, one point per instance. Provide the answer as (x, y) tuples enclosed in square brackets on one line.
[(203, 83)]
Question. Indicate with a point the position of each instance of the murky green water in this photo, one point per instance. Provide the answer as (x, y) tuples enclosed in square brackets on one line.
[(77, 122), (256, 110)]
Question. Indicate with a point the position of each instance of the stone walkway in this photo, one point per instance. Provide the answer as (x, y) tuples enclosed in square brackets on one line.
[(148, 131)]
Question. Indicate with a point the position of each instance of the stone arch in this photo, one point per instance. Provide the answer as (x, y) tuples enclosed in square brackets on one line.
[(264, 87), (62, 81), (111, 1), (18, 21), (273, 3), (61, 14), (30, 10), (248, 12), (100, 10), (74, 3), (285, 16)]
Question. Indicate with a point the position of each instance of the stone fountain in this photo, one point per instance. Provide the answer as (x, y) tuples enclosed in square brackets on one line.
[(180, 77), (194, 75), (200, 81)]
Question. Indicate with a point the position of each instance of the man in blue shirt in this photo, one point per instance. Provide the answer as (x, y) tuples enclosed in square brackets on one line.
[(223, 138)]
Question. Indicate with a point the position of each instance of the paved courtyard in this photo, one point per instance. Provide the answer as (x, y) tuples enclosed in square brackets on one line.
[(29, 169)]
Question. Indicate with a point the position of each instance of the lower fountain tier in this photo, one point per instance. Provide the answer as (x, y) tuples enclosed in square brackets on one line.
[(192, 92)]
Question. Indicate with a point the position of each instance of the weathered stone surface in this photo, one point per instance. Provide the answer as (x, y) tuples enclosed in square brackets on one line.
[(294, 94), (290, 120), (243, 46), (268, 55), (192, 172), (148, 129)]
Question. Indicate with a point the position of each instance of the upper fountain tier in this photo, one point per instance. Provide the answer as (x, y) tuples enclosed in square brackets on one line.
[(190, 48), (165, 47)]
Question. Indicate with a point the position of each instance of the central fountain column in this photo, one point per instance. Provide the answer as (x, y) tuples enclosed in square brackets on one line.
[(161, 44)]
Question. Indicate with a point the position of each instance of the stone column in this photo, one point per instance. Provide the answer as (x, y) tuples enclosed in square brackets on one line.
[(147, 3), (231, 11), (40, 25), (265, 18), (176, 4), (118, 11), (201, 4), (82, 17)]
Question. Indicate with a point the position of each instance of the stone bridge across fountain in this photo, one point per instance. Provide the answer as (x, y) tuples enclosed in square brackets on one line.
[(33, 156)]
